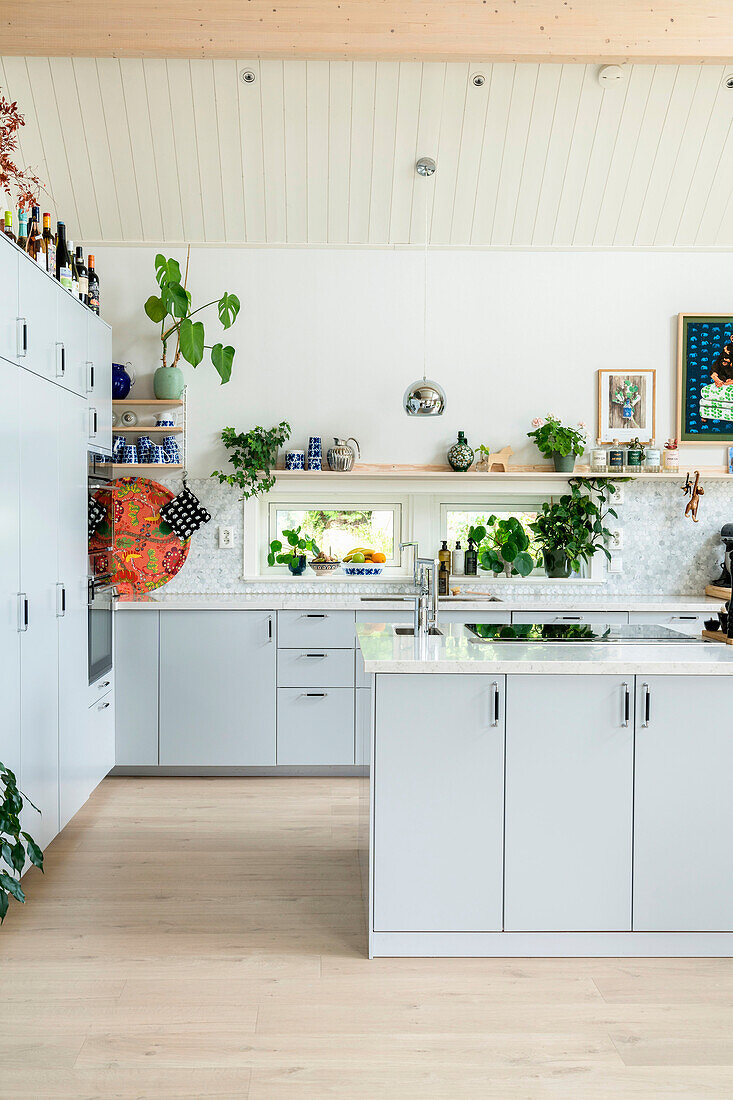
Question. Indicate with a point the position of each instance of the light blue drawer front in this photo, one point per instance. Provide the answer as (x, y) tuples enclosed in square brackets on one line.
[(315, 727), (316, 629), (315, 668)]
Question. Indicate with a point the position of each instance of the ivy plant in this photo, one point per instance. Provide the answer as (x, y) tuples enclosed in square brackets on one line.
[(504, 547), (15, 845), (171, 309), (253, 454), (575, 525), (297, 546)]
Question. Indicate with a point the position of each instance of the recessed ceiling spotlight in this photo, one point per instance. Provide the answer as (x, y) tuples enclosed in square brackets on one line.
[(247, 76), (478, 79), (728, 81), (611, 76)]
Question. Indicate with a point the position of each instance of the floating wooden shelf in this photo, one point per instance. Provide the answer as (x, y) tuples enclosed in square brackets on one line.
[(144, 431), (154, 402), (117, 466), (716, 636), (514, 473), (717, 591)]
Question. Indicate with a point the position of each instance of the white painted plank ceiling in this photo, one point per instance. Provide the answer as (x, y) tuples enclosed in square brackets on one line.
[(319, 152)]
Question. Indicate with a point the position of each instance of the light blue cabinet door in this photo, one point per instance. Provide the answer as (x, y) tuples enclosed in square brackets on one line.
[(217, 688), (38, 306), (569, 780), (9, 341), (438, 804), (136, 700), (9, 556), (683, 810)]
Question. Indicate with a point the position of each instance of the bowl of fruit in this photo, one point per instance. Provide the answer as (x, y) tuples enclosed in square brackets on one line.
[(323, 564), (363, 562)]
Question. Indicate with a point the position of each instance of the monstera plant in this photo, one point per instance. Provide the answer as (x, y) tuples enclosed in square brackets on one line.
[(172, 309)]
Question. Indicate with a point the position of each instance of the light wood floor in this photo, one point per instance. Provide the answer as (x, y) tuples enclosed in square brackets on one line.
[(205, 938)]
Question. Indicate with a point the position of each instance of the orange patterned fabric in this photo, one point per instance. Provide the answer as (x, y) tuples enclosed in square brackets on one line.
[(147, 552)]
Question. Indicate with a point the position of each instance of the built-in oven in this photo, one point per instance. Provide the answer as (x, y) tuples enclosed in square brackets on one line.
[(101, 592)]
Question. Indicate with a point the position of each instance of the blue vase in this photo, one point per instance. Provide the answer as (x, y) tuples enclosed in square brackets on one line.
[(299, 569), (123, 379)]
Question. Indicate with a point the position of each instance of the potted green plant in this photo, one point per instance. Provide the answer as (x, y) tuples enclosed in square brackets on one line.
[(16, 846), (558, 442), (503, 546), (294, 554), (171, 309), (253, 454), (571, 530)]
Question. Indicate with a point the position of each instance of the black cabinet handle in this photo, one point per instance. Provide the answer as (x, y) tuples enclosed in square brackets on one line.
[(315, 694), (627, 704), (315, 615), (495, 703), (647, 704)]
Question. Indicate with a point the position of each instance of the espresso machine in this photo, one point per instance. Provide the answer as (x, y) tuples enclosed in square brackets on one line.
[(726, 536)]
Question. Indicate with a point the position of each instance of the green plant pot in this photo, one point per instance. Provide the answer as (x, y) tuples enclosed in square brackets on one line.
[(168, 383), (564, 464), (557, 564), (299, 569)]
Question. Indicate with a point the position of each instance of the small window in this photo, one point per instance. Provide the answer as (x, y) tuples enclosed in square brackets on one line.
[(337, 529), (456, 519)]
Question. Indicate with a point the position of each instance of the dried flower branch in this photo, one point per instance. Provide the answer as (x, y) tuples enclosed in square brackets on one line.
[(23, 180)]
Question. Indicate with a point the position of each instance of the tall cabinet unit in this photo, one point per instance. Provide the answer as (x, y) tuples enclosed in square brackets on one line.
[(45, 735), (10, 563)]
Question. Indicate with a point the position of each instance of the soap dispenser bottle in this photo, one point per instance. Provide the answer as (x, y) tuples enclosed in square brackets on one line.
[(457, 563)]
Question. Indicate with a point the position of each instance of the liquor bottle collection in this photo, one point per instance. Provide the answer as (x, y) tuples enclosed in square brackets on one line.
[(55, 254)]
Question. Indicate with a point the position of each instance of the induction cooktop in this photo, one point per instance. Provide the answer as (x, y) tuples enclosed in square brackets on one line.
[(646, 634)]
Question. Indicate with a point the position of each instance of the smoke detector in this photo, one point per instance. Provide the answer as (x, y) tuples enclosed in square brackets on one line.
[(611, 76)]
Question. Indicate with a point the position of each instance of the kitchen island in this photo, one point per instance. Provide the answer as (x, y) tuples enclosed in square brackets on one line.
[(548, 798)]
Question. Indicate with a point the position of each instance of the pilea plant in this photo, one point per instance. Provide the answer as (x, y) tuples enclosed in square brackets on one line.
[(503, 546), (297, 547), (252, 454), (171, 309), (15, 845)]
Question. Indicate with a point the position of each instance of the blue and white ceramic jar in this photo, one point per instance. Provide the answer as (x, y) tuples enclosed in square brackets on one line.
[(295, 460)]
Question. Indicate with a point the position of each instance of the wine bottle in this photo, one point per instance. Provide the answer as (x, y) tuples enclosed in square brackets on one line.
[(93, 287), (82, 275), (22, 229), (74, 272), (9, 226), (49, 246), (34, 247), (63, 259)]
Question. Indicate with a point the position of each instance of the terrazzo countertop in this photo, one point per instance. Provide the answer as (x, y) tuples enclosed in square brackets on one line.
[(453, 652), (285, 600)]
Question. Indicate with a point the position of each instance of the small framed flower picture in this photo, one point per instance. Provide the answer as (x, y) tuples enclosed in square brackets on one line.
[(627, 405)]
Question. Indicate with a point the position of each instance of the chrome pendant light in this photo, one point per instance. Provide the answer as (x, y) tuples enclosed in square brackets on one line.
[(425, 397)]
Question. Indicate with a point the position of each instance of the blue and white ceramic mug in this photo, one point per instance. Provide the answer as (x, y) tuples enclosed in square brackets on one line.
[(128, 454), (170, 448), (157, 454), (315, 446), (295, 460), (144, 447), (118, 443), (165, 420)]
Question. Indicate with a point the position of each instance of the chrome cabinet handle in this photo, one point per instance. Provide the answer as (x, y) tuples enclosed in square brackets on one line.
[(495, 703), (23, 616), (647, 697), (60, 601), (269, 629), (60, 360), (103, 706), (106, 684), (92, 422), (22, 334), (90, 377), (627, 704)]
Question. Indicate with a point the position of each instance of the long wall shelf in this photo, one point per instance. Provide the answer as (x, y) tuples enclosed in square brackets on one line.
[(514, 473)]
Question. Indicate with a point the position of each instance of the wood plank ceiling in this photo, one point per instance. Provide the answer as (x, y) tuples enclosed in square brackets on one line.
[(422, 30), (319, 152)]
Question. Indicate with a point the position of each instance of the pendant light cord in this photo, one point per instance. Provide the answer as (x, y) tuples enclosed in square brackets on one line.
[(425, 293)]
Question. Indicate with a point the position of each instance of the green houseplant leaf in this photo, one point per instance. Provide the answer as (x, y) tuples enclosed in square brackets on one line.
[(252, 454), (222, 358), (228, 306), (156, 309), (191, 334)]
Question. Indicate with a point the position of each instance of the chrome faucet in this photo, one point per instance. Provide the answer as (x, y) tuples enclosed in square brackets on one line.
[(426, 619), (415, 567)]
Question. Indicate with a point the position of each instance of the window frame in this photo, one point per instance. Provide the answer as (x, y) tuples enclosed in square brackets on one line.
[(392, 566)]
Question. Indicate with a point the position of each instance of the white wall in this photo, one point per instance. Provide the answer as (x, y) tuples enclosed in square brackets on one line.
[(329, 339)]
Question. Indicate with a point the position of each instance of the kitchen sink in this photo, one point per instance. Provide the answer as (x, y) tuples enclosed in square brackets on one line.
[(409, 632)]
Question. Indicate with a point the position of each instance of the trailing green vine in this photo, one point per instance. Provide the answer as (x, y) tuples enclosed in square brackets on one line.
[(253, 455)]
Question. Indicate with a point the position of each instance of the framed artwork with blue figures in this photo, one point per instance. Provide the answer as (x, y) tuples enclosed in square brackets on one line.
[(705, 378)]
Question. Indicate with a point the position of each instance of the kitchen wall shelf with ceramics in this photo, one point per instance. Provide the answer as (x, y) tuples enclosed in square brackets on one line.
[(153, 407), (140, 430), (514, 473), (153, 403), (135, 467)]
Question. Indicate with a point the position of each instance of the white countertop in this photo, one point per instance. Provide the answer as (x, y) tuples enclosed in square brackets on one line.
[(284, 601), (385, 651)]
